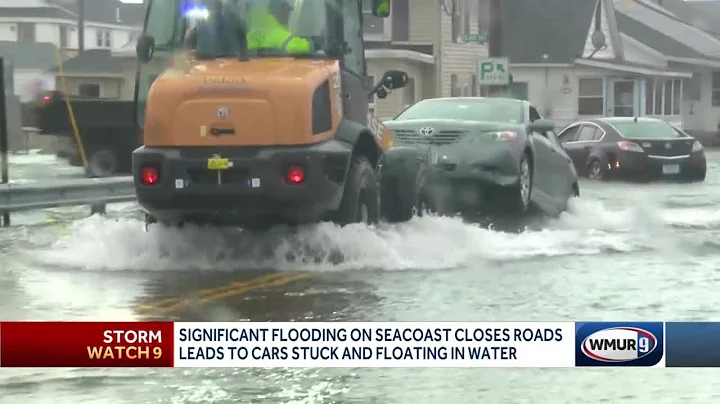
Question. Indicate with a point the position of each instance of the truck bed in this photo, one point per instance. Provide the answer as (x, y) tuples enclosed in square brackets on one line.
[(91, 114)]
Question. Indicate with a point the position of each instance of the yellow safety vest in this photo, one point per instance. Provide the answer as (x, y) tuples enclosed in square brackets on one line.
[(267, 33)]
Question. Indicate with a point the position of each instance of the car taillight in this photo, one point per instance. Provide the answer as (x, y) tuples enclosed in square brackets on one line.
[(630, 146), (697, 146), (149, 175), (295, 175)]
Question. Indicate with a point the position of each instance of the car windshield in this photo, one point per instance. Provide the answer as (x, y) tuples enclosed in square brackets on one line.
[(480, 109), (646, 130), (253, 28)]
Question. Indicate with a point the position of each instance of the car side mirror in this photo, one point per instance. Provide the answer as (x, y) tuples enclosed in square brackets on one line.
[(381, 8), (145, 48), (391, 80), (542, 125)]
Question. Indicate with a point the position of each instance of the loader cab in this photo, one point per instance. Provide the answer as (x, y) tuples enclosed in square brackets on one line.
[(179, 33)]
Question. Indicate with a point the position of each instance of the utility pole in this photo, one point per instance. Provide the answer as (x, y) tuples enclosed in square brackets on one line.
[(495, 31), (81, 25)]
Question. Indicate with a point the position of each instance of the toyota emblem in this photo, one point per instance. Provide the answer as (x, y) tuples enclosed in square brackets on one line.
[(668, 145), (222, 113), (427, 131)]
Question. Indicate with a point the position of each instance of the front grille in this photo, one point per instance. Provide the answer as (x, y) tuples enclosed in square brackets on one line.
[(414, 137)]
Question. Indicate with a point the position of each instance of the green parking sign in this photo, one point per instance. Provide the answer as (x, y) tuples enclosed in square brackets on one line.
[(493, 72)]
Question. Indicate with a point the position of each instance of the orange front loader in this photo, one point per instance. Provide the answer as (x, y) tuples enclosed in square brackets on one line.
[(240, 132)]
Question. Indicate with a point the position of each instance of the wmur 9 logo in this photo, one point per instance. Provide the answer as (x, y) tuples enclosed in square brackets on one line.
[(619, 344)]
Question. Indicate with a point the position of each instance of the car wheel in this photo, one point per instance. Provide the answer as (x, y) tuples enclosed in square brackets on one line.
[(361, 199), (596, 171), (520, 193), (103, 163), (407, 196)]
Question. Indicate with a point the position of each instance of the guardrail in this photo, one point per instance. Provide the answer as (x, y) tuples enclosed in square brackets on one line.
[(96, 192)]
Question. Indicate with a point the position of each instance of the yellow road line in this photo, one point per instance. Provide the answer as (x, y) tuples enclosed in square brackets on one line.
[(166, 306), (212, 291)]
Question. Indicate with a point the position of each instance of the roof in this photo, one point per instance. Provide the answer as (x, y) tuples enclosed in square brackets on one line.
[(99, 11), (559, 29), (426, 49), (703, 14), (655, 39), (29, 55), (37, 12), (664, 32), (96, 61)]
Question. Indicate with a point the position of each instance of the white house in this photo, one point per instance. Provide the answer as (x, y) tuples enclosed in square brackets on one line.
[(622, 58), (428, 40), (30, 24)]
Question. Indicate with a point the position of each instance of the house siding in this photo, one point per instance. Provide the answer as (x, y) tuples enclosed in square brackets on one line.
[(553, 97), (109, 87), (393, 104), (545, 91), (423, 22), (48, 31), (609, 52), (701, 115), (457, 58), (8, 31)]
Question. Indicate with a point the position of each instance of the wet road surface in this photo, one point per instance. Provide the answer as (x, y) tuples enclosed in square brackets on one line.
[(623, 252)]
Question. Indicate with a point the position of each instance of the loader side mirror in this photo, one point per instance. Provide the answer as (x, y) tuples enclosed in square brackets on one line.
[(391, 80)]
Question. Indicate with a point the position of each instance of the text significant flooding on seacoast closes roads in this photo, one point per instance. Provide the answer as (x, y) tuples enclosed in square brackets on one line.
[(358, 343), (367, 335)]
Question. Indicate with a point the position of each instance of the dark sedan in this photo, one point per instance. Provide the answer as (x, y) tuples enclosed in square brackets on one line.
[(488, 152), (633, 148)]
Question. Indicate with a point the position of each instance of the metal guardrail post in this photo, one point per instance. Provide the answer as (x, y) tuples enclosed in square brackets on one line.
[(4, 164)]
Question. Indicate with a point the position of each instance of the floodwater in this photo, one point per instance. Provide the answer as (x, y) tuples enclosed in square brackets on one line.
[(622, 252)]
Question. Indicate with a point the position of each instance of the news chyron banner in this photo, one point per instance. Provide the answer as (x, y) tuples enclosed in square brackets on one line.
[(362, 345)]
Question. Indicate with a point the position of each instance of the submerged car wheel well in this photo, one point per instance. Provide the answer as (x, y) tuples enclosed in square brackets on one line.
[(366, 146), (531, 158)]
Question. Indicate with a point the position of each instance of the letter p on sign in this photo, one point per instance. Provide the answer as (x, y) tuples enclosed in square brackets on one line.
[(493, 72)]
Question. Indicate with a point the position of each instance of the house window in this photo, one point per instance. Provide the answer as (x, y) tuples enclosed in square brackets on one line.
[(454, 86), (64, 33), (375, 28), (26, 32), (663, 97), (716, 89), (591, 100), (89, 90), (103, 39), (519, 90), (409, 93)]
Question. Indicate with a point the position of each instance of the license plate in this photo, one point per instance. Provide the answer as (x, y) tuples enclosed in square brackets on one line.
[(218, 164), (671, 169)]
